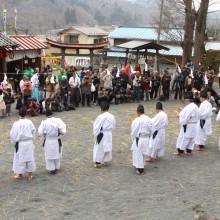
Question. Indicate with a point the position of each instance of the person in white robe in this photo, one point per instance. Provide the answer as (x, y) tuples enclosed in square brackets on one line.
[(218, 120), (188, 119), (102, 131), (21, 135), (204, 125), (51, 129), (141, 129), (157, 139)]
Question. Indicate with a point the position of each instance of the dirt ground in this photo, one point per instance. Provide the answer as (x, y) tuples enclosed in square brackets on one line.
[(175, 188)]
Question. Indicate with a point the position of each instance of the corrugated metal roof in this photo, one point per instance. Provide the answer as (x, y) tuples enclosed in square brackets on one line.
[(212, 46), (28, 42), (147, 33), (6, 42), (93, 31), (174, 50)]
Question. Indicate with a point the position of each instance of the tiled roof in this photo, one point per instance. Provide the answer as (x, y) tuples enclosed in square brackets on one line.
[(146, 33), (6, 42), (140, 45), (28, 42), (93, 31), (174, 51)]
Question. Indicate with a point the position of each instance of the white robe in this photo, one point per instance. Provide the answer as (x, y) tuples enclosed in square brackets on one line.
[(157, 145), (218, 120), (22, 132), (104, 123), (188, 116), (205, 113), (140, 128), (49, 129)]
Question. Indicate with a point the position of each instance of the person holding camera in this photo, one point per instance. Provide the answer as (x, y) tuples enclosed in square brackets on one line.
[(136, 86), (86, 90), (156, 80), (51, 82)]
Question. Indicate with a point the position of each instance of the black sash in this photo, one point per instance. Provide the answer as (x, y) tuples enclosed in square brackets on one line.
[(99, 137), (137, 140), (16, 147), (202, 123), (60, 144), (184, 128), (155, 134)]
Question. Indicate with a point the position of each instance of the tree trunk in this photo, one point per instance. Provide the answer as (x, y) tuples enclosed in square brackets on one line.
[(199, 42), (188, 32)]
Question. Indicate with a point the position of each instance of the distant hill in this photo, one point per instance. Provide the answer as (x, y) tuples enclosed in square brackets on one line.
[(39, 16)]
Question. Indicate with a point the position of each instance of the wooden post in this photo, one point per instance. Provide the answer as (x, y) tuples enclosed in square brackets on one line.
[(157, 56), (63, 57), (91, 57), (126, 58), (137, 57)]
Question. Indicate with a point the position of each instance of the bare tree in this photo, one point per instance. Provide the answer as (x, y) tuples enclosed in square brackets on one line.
[(189, 25), (195, 21), (199, 42)]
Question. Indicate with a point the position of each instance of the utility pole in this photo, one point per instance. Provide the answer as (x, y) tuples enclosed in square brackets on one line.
[(158, 35), (4, 17)]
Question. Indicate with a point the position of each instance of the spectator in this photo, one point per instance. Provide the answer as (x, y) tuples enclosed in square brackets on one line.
[(32, 108), (156, 80), (86, 91), (136, 86)]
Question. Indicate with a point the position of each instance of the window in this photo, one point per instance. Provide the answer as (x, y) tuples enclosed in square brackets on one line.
[(73, 39), (99, 40)]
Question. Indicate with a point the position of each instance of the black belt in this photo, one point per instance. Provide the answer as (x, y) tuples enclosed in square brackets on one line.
[(202, 123), (16, 147)]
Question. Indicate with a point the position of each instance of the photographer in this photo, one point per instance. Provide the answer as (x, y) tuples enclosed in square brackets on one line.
[(136, 86), (51, 82), (86, 90)]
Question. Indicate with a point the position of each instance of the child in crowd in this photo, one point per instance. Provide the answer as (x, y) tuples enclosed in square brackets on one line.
[(2, 104), (9, 99), (32, 108)]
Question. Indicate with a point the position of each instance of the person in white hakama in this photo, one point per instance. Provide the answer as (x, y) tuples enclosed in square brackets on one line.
[(51, 129), (157, 139), (102, 131), (204, 125), (188, 119), (141, 129), (21, 135)]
